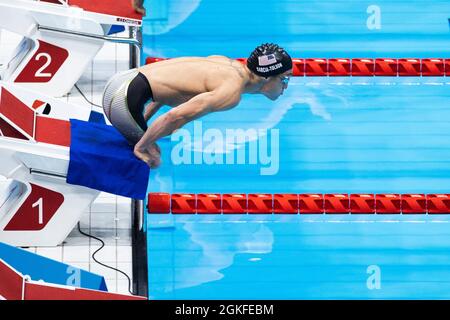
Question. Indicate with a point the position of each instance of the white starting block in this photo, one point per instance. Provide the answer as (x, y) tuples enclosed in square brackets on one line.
[(37, 206), (59, 42)]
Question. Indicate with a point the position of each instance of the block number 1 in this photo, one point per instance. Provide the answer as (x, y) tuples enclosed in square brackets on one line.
[(39, 204), (48, 60)]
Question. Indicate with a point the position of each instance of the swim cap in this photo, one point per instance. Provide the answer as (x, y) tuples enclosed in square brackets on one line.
[(269, 60)]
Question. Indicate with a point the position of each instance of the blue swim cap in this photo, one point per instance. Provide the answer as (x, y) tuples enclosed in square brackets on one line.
[(269, 60)]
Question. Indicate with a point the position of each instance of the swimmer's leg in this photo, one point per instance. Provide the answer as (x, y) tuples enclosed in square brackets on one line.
[(124, 98)]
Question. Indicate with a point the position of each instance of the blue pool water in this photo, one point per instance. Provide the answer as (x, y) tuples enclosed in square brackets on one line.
[(324, 135)]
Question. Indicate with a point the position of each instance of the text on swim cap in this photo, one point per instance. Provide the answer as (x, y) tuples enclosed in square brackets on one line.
[(270, 68)]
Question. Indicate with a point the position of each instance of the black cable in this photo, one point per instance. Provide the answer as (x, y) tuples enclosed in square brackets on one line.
[(82, 94), (100, 263), (91, 236)]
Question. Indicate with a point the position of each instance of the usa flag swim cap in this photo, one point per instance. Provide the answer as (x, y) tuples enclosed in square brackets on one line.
[(269, 60)]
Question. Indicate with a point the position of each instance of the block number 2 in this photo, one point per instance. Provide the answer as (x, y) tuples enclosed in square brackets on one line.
[(40, 206), (48, 60), (44, 64)]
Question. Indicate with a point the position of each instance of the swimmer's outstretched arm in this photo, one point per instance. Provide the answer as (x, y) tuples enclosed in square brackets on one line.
[(221, 99)]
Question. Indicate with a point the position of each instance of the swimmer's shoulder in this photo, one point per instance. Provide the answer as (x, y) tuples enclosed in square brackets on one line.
[(220, 59), (234, 64), (216, 56)]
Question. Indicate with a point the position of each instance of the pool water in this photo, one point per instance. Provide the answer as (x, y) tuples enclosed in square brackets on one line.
[(324, 135)]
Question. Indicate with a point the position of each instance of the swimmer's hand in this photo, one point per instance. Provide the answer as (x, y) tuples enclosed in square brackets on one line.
[(150, 155)]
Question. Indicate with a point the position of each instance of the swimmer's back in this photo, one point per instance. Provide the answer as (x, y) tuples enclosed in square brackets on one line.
[(177, 80)]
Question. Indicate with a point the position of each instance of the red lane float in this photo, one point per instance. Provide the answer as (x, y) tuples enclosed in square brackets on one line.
[(316, 67), (336, 203), (234, 203), (362, 203), (209, 203), (298, 67), (158, 203), (438, 203), (150, 60), (261, 203), (310, 203), (285, 203), (362, 67), (386, 67), (414, 204), (433, 67), (388, 204), (409, 67), (339, 67), (184, 203)]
